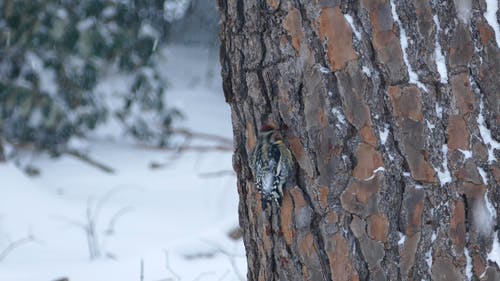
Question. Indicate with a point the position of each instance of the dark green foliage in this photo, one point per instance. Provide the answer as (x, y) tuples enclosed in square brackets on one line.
[(54, 54)]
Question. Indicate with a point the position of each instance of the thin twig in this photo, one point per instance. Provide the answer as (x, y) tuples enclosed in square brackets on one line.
[(179, 149), (216, 174), (203, 274), (232, 260), (186, 146), (92, 238), (142, 270), (230, 257), (207, 148), (169, 268), (224, 143), (87, 228), (221, 144), (90, 223), (16, 244), (115, 217), (72, 222), (224, 275), (106, 197), (183, 148), (199, 135), (76, 154), (89, 160)]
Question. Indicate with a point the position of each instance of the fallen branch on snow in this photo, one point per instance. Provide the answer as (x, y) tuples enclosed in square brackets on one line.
[(80, 156)]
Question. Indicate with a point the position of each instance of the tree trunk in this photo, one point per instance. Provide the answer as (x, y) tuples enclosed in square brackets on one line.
[(390, 111)]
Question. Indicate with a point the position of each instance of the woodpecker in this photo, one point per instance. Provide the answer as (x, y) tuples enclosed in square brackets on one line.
[(271, 165)]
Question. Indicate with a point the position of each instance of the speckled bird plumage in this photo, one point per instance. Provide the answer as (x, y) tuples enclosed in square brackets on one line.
[(271, 164)]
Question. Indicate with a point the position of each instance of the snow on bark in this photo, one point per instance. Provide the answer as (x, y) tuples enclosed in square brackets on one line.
[(484, 214), (439, 111), (438, 54), (468, 266), (494, 254), (483, 175), (404, 45), (324, 70), (491, 143), (491, 209), (338, 114), (491, 18), (353, 27), (428, 255), (467, 153), (402, 239), (367, 71), (384, 134), (443, 172), (429, 125), (379, 169)]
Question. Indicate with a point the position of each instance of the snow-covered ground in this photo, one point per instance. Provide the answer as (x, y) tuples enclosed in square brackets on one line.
[(168, 223)]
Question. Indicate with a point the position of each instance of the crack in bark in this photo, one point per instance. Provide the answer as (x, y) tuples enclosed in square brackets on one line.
[(240, 14), (262, 81), (319, 56), (289, 249), (360, 264), (272, 258), (263, 65), (316, 232), (224, 57)]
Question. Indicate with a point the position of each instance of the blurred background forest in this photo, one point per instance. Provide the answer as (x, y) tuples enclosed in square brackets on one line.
[(56, 56), (115, 143)]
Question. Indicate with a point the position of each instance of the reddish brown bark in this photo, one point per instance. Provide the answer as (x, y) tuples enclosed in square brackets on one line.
[(375, 131)]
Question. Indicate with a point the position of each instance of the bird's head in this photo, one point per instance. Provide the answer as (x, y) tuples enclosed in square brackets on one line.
[(268, 131), (267, 128)]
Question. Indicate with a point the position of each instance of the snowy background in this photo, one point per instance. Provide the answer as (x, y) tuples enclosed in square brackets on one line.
[(163, 214), (174, 212)]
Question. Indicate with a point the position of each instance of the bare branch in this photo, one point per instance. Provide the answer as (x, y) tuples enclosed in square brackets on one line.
[(73, 222), (216, 174), (90, 223), (142, 270), (190, 134), (208, 148), (169, 268), (231, 257), (224, 275), (186, 146), (88, 160), (203, 274), (92, 238), (115, 217), (107, 197), (16, 244)]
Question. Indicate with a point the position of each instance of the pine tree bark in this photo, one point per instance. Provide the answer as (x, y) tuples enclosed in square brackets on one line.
[(390, 110)]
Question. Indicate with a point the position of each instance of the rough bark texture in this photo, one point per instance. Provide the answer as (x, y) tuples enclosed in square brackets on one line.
[(375, 130)]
